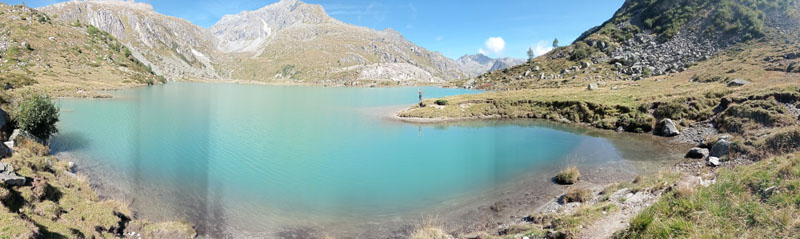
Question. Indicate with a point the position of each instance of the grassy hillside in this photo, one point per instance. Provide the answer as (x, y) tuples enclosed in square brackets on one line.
[(56, 203), (64, 59)]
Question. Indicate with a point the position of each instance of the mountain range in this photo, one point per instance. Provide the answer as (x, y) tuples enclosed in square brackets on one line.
[(288, 41), (477, 64)]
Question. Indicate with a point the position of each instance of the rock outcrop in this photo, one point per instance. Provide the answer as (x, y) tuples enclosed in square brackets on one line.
[(9, 177)]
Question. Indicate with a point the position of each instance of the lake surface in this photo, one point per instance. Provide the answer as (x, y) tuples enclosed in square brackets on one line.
[(264, 160)]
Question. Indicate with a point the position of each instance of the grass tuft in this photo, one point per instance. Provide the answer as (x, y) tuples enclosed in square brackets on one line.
[(568, 176)]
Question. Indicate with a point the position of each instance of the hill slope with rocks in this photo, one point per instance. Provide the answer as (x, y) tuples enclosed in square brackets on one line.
[(477, 64), (721, 75), (64, 59)]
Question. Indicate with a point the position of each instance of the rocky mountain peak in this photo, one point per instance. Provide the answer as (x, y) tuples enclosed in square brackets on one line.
[(121, 3), (248, 30)]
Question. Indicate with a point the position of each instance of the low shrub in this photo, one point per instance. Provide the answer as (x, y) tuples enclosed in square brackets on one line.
[(441, 102), (568, 176), (639, 123), (577, 195)]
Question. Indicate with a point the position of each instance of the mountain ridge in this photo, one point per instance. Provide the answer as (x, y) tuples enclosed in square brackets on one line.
[(288, 41), (477, 64)]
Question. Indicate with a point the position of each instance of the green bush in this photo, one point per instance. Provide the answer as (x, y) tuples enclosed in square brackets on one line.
[(580, 52), (440, 102), (37, 115)]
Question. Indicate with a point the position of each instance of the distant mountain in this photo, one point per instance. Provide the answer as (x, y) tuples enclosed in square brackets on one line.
[(291, 40), (288, 41), (477, 64)]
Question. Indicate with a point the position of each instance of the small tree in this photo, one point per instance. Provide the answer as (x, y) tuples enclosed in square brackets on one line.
[(531, 55), (555, 43), (36, 114)]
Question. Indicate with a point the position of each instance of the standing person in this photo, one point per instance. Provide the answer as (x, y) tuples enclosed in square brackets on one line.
[(420, 96)]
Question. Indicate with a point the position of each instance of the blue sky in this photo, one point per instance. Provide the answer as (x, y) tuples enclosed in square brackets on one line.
[(452, 27)]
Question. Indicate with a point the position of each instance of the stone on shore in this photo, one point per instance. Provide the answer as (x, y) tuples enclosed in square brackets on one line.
[(720, 148), (593, 86), (697, 153), (713, 162), (669, 129), (9, 177), (738, 82)]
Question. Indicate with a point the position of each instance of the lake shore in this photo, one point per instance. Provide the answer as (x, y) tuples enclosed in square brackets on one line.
[(477, 211)]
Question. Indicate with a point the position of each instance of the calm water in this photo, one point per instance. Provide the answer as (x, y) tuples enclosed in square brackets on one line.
[(262, 158)]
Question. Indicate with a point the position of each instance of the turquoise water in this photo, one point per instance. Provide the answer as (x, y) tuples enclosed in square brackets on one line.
[(265, 157)]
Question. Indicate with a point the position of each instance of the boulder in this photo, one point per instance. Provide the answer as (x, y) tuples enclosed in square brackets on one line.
[(720, 148), (9, 177), (738, 82), (697, 153), (593, 86), (669, 129), (19, 134), (713, 161)]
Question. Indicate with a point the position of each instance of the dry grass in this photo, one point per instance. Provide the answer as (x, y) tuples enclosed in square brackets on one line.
[(430, 228)]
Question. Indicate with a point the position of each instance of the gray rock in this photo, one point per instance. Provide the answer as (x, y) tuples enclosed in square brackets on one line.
[(668, 128), (713, 161), (738, 82), (9, 177), (720, 148), (593, 86), (4, 119), (19, 135), (697, 153), (71, 165)]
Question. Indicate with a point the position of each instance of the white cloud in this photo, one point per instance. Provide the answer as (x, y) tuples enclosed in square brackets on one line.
[(541, 48), (481, 51), (439, 38), (495, 45)]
